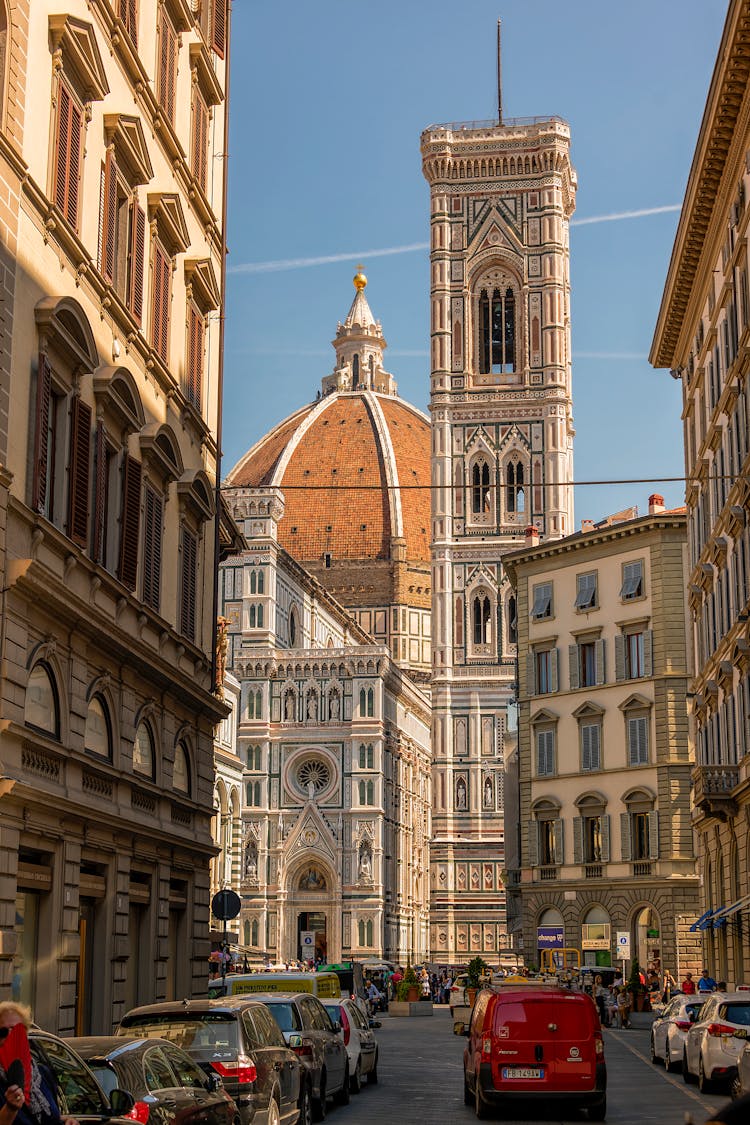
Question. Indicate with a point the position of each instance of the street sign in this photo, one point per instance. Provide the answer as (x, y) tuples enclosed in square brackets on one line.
[(550, 937), (225, 905), (307, 943), (623, 946)]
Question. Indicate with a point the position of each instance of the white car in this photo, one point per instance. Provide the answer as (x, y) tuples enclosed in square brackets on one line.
[(457, 997), (668, 1030), (740, 1085), (359, 1040), (711, 1048)]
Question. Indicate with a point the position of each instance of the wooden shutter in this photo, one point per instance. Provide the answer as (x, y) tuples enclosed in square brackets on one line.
[(653, 834), (606, 834), (218, 26), (586, 748), (200, 138), (531, 672), (79, 472), (41, 449), (599, 661), (559, 841), (152, 532), (533, 843), (137, 252), (619, 657), (160, 308), (648, 652), (98, 547), (573, 667), (130, 521), (188, 583), (626, 844), (578, 839), (195, 356), (554, 682), (67, 154), (127, 10), (167, 66), (109, 219)]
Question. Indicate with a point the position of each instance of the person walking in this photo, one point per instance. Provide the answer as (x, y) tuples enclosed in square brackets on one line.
[(624, 1008), (668, 986)]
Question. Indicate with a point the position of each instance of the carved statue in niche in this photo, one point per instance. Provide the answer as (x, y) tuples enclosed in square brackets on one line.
[(250, 870), (461, 793), (334, 705), (312, 705), (365, 864), (489, 799), (289, 706)]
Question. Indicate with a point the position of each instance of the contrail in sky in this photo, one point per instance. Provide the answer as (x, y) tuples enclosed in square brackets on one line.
[(302, 263)]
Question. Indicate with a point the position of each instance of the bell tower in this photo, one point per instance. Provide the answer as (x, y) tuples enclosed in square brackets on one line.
[(501, 197)]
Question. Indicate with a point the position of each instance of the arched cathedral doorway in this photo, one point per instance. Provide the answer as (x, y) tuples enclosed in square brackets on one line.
[(313, 910)]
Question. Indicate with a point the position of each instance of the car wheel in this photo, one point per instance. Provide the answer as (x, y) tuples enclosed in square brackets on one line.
[(735, 1088), (305, 1106), (342, 1097), (480, 1105), (319, 1103), (274, 1118), (654, 1057), (598, 1111), (468, 1096), (669, 1062), (355, 1082), (705, 1085), (372, 1077), (686, 1075)]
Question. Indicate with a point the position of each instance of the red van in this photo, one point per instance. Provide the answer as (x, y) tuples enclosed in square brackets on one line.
[(528, 1043)]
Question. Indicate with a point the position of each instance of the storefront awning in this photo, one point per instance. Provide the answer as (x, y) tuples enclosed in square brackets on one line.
[(725, 912), (704, 922)]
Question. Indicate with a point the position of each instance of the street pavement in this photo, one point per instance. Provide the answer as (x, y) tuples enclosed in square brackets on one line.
[(421, 1080)]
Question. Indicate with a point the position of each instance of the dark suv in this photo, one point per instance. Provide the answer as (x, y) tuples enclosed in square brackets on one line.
[(319, 1042), (78, 1093), (237, 1038)]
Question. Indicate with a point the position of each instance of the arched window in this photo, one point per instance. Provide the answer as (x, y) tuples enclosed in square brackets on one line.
[(260, 616), (181, 774), (253, 582), (368, 932), (482, 619), (246, 932), (143, 751), (252, 617), (355, 371), (497, 332), (255, 704), (253, 757), (370, 702), (512, 621), (370, 795), (261, 582), (98, 736), (480, 487), (41, 709), (361, 930), (515, 491), (292, 628), (254, 933), (252, 790)]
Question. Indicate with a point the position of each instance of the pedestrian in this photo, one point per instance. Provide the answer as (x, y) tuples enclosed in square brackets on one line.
[(624, 1008), (600, 993), (688, 985), (706, 982), (42, 1107), (669, 984)]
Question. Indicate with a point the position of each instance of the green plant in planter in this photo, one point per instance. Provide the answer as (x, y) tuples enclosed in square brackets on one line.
[(476, 970), (634, 980), (409, 981)]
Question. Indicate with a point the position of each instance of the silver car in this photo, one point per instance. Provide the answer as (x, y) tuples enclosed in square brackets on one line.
[(740, 1085), (668, 1030), (711, 1047)]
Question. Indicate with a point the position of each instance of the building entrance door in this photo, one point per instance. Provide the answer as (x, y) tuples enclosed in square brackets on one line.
[(315, 922)]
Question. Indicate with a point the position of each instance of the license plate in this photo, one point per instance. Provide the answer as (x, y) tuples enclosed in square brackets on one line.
[(523, 1072)]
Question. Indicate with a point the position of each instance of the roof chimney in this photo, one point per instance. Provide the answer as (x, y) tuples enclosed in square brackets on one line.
[(532, 536), (587, 525), (655, 504)]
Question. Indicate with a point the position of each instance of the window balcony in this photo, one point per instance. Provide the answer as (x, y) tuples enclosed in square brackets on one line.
[(593, 870), (643, 867), (548, 874), (712, 790)]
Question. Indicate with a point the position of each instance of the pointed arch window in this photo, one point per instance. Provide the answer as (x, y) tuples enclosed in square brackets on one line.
[(254, 932), (181, 772), (512, 621), (143, 751), (482, 615), (42, 709), (515, 487), (98, 735), (497, 331), (253, 793), (480, 487), (355, 371)]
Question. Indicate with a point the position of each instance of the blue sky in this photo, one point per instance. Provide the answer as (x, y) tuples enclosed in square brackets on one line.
[(327, 105)]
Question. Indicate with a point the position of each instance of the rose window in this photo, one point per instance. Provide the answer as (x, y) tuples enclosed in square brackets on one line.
[(313, 772)]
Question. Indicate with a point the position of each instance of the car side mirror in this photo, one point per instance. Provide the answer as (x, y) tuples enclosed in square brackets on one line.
[(336, 1025), (295, 1041), (213, 1082), (121, 1102), (460, 1028), (375, 1023)]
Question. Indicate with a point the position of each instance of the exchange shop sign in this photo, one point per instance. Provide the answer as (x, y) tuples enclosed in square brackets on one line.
[(550, 937)]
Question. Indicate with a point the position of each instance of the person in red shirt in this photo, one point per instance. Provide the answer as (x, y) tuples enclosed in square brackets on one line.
[(688, 985)]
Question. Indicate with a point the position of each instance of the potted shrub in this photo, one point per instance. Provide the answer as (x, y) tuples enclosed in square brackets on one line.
[(408, 988), (476, 970)]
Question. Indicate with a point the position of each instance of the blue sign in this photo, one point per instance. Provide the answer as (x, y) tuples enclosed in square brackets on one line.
[(550, 937)]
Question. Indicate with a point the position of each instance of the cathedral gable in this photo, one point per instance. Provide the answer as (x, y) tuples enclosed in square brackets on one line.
[(310, 834), (496, 229)]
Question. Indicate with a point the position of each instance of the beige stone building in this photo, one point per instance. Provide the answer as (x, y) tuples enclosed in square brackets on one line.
[(111, 125), (702, 337), (604, 753)]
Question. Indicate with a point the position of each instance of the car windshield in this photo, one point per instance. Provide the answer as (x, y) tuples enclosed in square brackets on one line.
[(206, 1035), (78, 1091), (736, 1013), (334, 1011), (106, 1077), (286, 1016)]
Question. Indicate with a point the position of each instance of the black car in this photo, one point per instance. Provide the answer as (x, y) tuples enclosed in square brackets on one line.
[(79, 1094), (318, 1041), (166, 1083), (236, 1038)]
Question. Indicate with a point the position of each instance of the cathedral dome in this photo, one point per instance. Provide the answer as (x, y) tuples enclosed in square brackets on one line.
[(354, 466), (348, 466)]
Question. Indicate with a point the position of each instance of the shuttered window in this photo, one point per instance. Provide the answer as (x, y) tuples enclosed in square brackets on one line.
[(130, 521), (153, 510), (127, 10), (188, 575), (200, 138), (109, 219), (41, 435), (218, 26), (632, 581), (67, 156), (545, 751), (591, 758), (136, 254), (638, 741), (162, 280), (80, 471), (195, 348), (166, 78), (101, 505)]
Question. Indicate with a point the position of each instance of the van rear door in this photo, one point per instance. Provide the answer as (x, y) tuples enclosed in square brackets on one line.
[(543, 1041)]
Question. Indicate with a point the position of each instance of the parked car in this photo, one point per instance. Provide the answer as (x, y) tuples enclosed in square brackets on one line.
[(168, 1086), (359, 1040), (236, 1038), (458, 992), (532, 1044), (668, 1030), (711, 1048), (740, 1084), (317, 1040), (78, 1093)]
